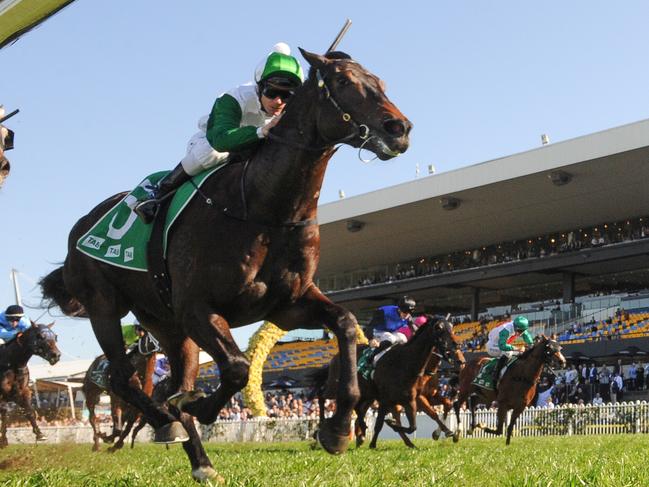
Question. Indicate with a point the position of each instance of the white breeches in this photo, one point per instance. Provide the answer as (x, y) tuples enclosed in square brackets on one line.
[(201, 155), (388, 336), (497, 352)]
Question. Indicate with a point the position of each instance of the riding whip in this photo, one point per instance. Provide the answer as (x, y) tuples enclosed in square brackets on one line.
[(340, 35), (7, 117)]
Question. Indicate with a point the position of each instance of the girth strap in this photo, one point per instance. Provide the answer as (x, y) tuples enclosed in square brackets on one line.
[(156, 263)]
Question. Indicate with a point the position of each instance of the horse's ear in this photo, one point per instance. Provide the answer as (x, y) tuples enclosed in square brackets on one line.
[(315, 60), (51, 324), (32, 322)]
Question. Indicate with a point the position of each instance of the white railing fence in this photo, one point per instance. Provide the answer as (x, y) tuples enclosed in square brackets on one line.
[(560, 420), (630, 417)]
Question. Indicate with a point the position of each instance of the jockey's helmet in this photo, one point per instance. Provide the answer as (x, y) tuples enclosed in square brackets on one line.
[(280, 69), (406, 304), (521, 323), (14, 311)]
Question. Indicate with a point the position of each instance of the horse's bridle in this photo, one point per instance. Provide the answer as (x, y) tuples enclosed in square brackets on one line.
[(360, 130)]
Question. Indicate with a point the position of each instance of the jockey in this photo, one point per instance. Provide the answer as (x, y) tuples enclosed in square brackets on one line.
[(389, 322), (500, 338), (12, 322), (239, 120), (132, 334)]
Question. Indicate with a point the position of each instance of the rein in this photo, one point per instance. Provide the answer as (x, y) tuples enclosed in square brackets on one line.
[(244, 217)]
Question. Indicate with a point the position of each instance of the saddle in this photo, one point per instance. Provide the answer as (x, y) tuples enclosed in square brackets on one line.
[(484, 378), (367, 361)]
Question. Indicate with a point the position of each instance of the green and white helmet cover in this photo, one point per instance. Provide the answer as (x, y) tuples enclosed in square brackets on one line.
[(521, 323), (280, 64)]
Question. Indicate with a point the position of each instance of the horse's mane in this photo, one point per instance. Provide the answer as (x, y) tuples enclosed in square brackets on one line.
[(431, 321), (531, 349)]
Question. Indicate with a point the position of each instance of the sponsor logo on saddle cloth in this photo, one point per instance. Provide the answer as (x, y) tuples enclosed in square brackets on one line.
[(120, 238), (485, 376)]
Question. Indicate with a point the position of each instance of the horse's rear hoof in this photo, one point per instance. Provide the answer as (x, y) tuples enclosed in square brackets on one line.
[(173, 432), (456, 436), (207, 474), (436, 435), (41, 437), (331, 441)]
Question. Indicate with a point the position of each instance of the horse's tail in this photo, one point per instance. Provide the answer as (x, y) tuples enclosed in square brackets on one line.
[(56, 294), (318, 380)]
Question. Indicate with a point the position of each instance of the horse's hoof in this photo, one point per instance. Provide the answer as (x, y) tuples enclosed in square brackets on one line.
[(482, 426), (41, 437), (331, 441), (469, 432), (173, 432), (456, 436), (207, 474), (180, 399), (391, 422), (436, 434), (360, 440)]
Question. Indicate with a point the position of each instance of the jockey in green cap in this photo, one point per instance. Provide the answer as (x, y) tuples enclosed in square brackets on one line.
[(240, 119), (500, 339)]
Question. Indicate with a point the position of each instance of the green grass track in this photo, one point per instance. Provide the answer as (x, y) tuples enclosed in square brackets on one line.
[(598, 461)]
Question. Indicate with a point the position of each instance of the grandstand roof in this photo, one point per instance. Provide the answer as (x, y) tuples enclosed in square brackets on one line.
[(506, 199), (503, 199)]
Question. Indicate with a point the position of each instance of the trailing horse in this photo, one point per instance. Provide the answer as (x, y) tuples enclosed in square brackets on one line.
[(428, 395), (395, 378), (515, 390), (246, 250), (14, 374), (122, 414)]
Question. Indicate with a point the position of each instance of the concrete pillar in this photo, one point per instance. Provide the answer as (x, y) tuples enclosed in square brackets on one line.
[(475, 304), (568, 287)]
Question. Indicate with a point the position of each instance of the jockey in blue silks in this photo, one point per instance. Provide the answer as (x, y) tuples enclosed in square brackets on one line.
[(387, 321), (12, 322)]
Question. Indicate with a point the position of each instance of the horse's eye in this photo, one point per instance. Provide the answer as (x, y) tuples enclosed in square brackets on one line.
[(342, 80)]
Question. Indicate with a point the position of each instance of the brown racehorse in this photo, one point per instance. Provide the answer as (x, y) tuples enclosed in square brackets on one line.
[(14, 375), (428, 395), (246, 250), (516, 389), (121, 412), (395, 378)]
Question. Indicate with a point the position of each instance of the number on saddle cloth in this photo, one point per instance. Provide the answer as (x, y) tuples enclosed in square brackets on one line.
[(100, 375)]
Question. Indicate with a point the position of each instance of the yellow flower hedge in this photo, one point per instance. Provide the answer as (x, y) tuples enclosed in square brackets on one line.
[(259, 346)]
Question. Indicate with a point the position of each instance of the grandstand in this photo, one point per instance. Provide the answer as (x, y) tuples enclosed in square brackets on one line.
[(548, 191), (557, 233)]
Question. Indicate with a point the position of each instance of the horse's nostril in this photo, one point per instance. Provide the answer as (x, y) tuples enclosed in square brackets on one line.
[(396, 128)]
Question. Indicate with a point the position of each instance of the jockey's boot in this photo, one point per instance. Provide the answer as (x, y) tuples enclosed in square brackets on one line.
[(499, 366), (148, 208), (384, 345)]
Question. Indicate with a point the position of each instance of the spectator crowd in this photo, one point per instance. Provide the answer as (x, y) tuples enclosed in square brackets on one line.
[(534, 247)]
